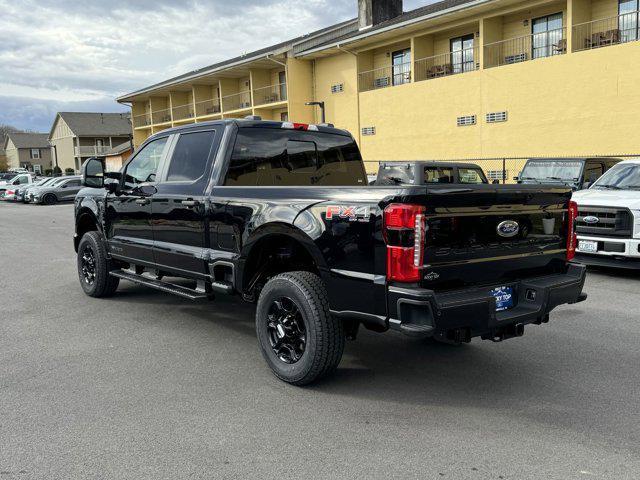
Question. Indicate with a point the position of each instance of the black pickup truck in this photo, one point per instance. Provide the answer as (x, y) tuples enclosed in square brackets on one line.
[(280, 214)]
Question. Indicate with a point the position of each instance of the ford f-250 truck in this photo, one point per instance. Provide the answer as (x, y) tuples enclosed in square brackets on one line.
[(281, 214)]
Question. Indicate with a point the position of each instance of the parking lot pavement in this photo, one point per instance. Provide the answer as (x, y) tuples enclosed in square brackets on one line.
[(146, 385)]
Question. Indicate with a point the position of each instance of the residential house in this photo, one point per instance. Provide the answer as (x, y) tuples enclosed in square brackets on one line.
[(76, 136), (457, 79), (28, 150), (117, 156)]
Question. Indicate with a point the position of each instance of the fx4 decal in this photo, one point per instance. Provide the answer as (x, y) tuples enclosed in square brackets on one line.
[(351, 212)]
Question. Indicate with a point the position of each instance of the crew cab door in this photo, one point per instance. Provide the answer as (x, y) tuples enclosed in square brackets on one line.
[(128, 212), (179, 207)]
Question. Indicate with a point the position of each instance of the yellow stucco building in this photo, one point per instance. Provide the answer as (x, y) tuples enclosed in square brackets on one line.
[(459, 79)]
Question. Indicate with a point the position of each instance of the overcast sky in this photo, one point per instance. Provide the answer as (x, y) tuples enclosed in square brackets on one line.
[(65, 55)]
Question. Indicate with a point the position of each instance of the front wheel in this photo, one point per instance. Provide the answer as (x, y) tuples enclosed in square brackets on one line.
[(94, 267), (299, 338), (49, 199)]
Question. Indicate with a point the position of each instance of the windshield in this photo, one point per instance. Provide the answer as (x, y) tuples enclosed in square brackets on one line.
[(543, 170), (620, 177)]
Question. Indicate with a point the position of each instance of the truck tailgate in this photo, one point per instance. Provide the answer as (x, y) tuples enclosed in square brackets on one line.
[(490, 235)]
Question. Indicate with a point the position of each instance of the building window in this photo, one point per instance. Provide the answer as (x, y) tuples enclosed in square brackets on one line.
[(462, 58), (401, 64), (37, 169), (628, 21), (284, 116), (35, 153), (547, 34), (337, 88)]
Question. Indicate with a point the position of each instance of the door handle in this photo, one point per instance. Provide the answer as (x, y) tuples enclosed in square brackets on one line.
[(190, 203), (142, 201)]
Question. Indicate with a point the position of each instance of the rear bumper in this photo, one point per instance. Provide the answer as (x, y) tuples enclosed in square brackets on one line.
[(464, 314), (611, 261)]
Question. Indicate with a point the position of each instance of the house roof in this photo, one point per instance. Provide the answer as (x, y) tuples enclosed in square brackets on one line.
[(88, 124), (317, 40), (245, 58), (29, 140), (429, 11), (119, 149)]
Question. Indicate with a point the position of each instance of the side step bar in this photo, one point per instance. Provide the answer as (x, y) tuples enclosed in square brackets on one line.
[(184, 292)]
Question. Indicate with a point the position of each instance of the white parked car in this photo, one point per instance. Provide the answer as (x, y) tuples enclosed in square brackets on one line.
[(13, 181), (608, 223)]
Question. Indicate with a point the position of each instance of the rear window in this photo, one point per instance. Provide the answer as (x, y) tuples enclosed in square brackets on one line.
[(271, 157)]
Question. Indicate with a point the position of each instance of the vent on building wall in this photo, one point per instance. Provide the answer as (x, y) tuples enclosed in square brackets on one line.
[(497, 117), (337, 88), (467, 120), (366, 131)]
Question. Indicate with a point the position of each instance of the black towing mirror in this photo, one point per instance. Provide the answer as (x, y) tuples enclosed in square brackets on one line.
[(93, 173)]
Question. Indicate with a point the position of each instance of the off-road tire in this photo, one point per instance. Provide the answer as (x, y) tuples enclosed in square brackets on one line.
[(325, 336), (103, 285), (49, 199)]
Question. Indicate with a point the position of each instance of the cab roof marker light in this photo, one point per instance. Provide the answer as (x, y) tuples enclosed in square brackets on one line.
[(299, 126)]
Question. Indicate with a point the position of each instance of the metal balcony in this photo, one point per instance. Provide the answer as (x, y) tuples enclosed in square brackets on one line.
[(528, 47)]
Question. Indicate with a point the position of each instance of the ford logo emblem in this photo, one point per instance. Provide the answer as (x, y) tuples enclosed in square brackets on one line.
[(508, 229), (591, 219)]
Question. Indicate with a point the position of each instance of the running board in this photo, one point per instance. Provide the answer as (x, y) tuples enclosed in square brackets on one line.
[(179, 290)]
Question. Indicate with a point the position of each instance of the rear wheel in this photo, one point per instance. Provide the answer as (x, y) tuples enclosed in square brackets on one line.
[(94, 267), (49, 199), (299, 338)]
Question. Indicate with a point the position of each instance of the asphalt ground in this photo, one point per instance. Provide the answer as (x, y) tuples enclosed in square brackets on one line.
[(149, 386)]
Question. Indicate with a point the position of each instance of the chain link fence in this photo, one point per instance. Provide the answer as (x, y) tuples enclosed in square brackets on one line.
[(503, 170)]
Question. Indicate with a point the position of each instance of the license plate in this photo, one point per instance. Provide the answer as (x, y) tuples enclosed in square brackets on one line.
[(504, 298), (588, 246)]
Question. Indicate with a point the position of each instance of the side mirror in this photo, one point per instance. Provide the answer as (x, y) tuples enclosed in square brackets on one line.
[(93, 173)]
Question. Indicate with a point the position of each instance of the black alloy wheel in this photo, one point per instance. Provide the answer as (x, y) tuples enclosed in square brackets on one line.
[(88, 264), (287, 331)]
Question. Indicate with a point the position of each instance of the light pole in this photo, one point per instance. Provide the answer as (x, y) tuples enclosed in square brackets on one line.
[(321, 105)]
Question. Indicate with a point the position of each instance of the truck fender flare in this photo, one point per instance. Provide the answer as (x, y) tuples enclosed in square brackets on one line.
[(272, 229)]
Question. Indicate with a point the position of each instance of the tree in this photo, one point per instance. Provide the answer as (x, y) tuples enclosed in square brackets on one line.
[(4, 163)]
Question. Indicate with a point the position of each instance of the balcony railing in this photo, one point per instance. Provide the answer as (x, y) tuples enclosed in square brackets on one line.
[(182, 112), (143, 120), (161, 116), (270, 94), (608, 31), (445, 64), (237, 101), (91, 150), (207, 107), (384, 77), (529, 47)]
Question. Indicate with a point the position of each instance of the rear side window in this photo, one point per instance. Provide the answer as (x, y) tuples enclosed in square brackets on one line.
[(470, 175), (438, 175), (190, 156), (270, 157)]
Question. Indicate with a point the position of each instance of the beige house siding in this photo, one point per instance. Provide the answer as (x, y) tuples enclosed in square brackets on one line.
[(13, 159), (62, 139)]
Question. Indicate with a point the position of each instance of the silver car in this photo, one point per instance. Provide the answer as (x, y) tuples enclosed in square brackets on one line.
[(64, 189)]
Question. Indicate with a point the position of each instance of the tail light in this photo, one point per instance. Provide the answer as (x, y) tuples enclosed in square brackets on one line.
[(572, 236), (404, 234)]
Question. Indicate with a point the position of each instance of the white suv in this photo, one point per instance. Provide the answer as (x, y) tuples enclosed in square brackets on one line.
[(608, 223)]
